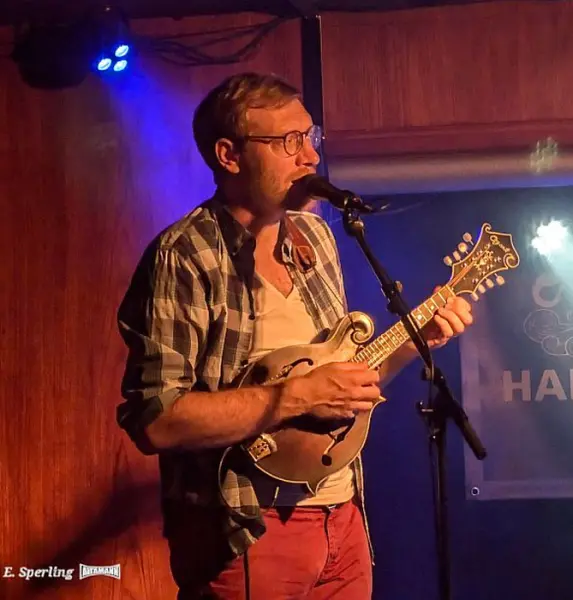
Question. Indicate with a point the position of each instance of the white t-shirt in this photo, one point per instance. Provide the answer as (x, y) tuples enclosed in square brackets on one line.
[(284, 322)]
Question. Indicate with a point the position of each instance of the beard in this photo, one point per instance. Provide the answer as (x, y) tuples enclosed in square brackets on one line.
[(297, 197), (267, 194)]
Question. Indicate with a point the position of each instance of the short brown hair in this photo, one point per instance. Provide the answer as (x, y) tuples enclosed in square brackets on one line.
[(222, 113)]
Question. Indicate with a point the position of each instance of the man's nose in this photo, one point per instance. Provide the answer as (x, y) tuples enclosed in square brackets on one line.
[(308, 155)]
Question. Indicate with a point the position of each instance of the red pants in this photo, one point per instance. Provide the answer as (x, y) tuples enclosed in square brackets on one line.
[(315, 554)]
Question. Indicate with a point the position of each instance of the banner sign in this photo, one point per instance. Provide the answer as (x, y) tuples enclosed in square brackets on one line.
[(517, 382)]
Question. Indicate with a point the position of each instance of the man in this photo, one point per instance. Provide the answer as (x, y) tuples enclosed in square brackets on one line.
[(233, 280)]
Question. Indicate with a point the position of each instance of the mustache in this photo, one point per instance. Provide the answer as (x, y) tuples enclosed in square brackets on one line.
[(303, 174), (297, 197)]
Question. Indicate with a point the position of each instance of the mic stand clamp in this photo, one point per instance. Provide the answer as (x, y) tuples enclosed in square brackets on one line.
[(441, 407)]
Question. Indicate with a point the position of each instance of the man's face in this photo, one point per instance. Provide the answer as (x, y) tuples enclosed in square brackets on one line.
[(266, 171)]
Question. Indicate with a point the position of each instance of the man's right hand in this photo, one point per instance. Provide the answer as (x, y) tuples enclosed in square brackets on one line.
[(333, 391)]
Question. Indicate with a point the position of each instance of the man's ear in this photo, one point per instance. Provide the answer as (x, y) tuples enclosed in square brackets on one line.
[(227, 155)]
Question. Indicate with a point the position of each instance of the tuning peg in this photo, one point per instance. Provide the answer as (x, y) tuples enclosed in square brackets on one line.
[(448, 261), (463, 248), (499, 280), (456, 255), (481, 288), (474, 297), (489, 283), (467, 238)]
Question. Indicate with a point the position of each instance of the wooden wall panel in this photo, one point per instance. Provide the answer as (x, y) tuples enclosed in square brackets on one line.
[(87, 177), (440, 79)]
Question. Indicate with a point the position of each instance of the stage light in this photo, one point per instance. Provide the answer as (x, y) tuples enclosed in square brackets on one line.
[(55, 55), (121, 50), (120, 65), (104, 64), (551, 238), (112, 34)]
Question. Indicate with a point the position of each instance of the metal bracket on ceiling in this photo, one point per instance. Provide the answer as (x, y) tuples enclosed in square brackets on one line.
[(306, 8)]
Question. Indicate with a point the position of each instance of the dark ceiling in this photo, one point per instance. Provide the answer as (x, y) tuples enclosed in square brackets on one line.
[(14, 11)]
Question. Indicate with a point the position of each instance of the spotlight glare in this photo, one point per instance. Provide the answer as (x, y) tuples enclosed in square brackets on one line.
[(104, 64), (121, 50), (550, 238), (120, 65)]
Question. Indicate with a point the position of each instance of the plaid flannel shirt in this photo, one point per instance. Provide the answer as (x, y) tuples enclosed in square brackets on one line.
[(187, 320)]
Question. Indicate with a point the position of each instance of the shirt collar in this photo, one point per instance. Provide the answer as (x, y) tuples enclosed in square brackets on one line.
[(294, 245), (234, 234)]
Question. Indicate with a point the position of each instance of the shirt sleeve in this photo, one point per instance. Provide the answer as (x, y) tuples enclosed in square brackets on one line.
[(163, 319)]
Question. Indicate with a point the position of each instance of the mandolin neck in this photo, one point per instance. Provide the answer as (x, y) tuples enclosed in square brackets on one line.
[(385, 345)]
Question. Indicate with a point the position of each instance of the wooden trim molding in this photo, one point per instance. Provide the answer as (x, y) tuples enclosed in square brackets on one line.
[(490, 138)]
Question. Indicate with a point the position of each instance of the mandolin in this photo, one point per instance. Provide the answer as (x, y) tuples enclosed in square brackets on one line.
[(306, 450)]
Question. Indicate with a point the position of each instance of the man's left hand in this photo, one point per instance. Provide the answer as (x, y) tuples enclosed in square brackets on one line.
[(448, 322)]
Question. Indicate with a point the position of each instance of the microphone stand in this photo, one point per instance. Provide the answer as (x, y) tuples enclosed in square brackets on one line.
[(440, 408)]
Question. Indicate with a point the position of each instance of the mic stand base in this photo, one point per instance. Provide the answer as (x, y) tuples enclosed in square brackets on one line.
[(436, 424)]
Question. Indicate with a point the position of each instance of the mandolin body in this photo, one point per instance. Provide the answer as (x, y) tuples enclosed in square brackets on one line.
[(306, 450)]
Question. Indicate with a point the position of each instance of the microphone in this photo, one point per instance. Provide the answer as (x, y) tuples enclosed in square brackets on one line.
[(320, 187)]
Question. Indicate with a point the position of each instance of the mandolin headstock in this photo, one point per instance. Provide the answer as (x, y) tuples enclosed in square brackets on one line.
[(477, 267)]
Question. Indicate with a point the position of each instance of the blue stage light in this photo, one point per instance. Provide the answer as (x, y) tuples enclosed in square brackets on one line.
[(120, 65), (104, 64), (121, 50)]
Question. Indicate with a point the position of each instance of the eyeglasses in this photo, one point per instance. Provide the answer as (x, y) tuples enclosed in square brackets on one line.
[(293, 140)]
